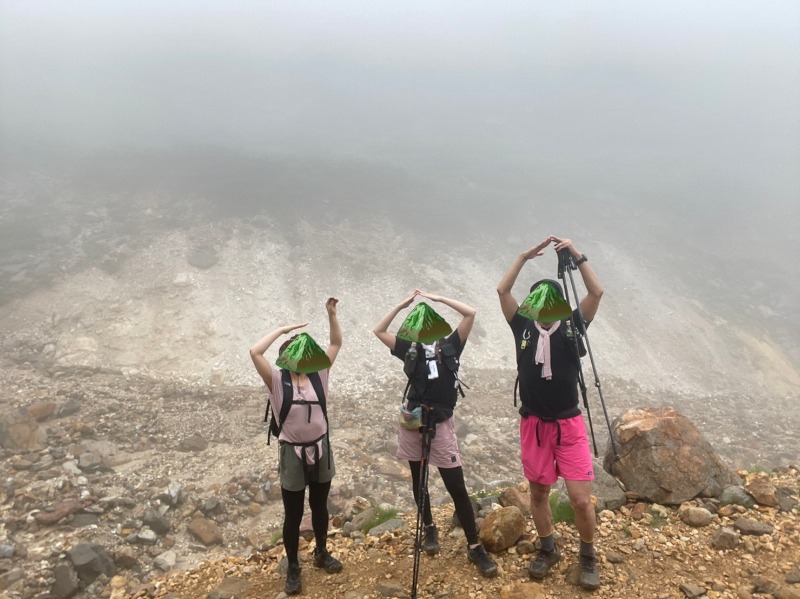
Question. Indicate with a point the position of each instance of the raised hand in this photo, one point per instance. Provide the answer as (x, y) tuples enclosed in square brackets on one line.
[(288, 329), (537, 249), (433, 298), (407, 302), (564, 244), (330, 306)]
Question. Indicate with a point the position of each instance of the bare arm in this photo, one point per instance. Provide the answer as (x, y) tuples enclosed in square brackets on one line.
[(336, 330), (380, 329), (467, 312), (263, 367), (507, 302), (594, 290)]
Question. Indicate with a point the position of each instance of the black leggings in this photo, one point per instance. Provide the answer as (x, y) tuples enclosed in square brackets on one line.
[(293, 503), (454, 483)]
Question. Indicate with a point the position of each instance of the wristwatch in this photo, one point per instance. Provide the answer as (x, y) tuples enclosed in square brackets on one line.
[(581, 260)]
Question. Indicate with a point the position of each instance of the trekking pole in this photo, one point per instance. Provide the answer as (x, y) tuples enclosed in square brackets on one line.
[(428, 430), (566, 263)]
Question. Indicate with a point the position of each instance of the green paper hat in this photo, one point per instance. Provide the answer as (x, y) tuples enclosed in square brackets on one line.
[(545, 304), (424, 325), (303, 355)]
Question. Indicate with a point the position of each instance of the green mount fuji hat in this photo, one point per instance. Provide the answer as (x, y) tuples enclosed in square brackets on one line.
[(424, 325), (545, 304), (303, 355)]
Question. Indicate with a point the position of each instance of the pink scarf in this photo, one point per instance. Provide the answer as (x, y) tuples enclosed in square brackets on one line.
[(543, 348)]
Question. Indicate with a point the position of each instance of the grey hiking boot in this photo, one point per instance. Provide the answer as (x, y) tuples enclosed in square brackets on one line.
[(323, 559), (293, 585), (480, 558), (431, 541), (543, 563), (590, 576)]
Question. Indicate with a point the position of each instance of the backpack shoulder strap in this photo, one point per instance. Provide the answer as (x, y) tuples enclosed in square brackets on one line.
[(450, 358), (526, 341), (316, 383), (275, 425), (288, 396)]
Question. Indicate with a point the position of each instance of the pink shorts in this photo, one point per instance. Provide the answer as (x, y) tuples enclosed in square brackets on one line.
[(544, 461), (444, 446)]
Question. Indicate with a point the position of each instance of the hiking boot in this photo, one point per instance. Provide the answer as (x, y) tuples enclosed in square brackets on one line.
[(431, 542), (480, 558), (590, 576), (293, 585), (323, 559), (543, 563)]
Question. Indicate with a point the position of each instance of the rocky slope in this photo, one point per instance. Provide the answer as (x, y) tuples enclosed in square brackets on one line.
[(645, 551), (136, 413), (164, 475)]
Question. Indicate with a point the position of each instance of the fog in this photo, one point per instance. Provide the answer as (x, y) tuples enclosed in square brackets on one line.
[(661, 128)]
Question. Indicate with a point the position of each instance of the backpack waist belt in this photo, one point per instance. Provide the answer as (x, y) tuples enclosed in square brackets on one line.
[(565, 415), (304, 445)]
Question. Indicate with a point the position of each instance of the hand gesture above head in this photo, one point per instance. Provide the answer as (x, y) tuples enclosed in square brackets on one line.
[(564, 244), (537, 249), (330, 306), (289, 328), (433, 298), (407, 302)]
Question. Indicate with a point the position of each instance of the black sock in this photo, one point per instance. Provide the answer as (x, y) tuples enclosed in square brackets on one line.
[(587, 549), (548, 543)]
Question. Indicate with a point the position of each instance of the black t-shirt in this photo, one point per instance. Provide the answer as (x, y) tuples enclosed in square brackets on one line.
[(542, 397), (441, 391)]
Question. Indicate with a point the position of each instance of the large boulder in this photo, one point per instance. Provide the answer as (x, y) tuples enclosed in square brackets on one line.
[(502, 528), (663, 458)]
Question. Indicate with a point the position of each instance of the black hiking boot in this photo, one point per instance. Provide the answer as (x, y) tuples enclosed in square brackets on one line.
[(480, 558), (431, 541), (590, 576), (293, 585), (323, 559), (543, 563)]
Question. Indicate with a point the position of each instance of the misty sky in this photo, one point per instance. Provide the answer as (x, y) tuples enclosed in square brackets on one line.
[(694, 106), (471, 83)]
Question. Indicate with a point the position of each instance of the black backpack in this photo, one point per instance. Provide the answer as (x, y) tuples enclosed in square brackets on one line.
[(449, 356), (288, 400), (568, 332)]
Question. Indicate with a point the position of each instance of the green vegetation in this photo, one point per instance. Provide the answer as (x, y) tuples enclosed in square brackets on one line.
[(381, 516), (561, 509), (483, 493), (626, 530), (657, 521), (276, 537)]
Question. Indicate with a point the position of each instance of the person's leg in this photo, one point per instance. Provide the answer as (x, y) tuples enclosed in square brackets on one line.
[(548, 555), (453, 479), (540, 509), (318, 501), (292, 516), (574, 464), (537, 439), (454, 483), (416, 471), (580, 496)]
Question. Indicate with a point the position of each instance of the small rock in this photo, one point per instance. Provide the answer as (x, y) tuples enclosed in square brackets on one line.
[(692, 590), (746, 526)]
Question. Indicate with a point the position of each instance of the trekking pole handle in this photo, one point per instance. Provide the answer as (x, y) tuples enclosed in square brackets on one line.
[(565, 260)]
